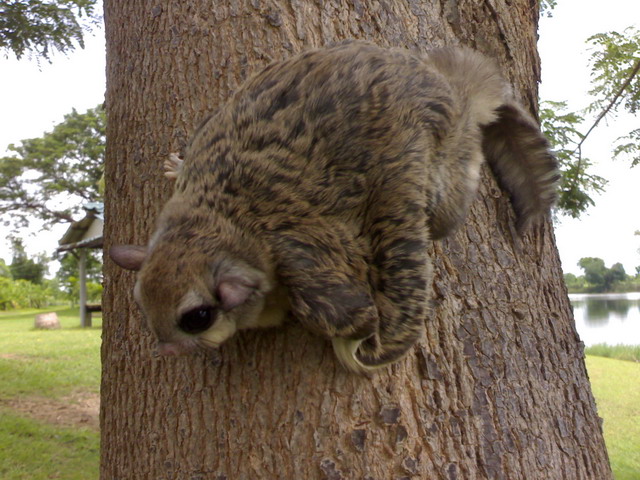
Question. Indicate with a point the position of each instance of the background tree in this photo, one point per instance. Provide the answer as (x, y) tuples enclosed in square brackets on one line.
[(39, 27), (601, 278), (577, 185), (615, 69), (615, 274), (574, 284), (50, 177), (594, 270), (5, 271), (616, 83), (497, 389), (67, 275), (24, 268)]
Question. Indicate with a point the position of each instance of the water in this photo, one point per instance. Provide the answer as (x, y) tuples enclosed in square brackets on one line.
[(612, 318)]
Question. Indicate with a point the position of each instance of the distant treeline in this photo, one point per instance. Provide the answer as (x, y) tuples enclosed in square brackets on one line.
[(599, 278), (23, 283)]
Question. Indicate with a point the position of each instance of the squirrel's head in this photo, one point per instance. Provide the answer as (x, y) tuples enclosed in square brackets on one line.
[(193, 293)]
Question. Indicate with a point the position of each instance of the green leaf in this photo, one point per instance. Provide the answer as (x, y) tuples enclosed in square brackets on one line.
[(577, 184), (38, 27), (613, 59)]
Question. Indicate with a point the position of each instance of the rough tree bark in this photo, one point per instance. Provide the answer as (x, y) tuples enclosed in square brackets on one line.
[(498, 388)]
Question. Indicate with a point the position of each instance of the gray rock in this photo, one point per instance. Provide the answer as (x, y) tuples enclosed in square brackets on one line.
[(47, 321)]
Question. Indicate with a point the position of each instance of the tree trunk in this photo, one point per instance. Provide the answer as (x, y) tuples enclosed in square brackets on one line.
[(497, 389)]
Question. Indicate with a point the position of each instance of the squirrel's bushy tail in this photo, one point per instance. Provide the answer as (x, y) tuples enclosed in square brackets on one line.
[(512, 143), (519, 156)]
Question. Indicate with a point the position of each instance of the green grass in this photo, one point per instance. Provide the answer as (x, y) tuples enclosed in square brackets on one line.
[(619, 352), (55, 364), (47, 364), (35, 451), (616, 387)]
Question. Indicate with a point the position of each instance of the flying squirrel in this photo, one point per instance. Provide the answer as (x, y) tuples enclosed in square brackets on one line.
[(316, 189)]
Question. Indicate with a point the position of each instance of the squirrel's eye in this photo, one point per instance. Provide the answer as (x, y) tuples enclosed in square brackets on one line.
[(197, 320)]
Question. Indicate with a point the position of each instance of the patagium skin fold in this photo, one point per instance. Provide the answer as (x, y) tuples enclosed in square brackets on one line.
[(315, 191)]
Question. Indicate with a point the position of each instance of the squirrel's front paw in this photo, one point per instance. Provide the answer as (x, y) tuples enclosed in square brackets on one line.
[(172, 166)]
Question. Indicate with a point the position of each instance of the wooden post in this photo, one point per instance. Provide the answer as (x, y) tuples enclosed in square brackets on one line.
[(85, 320)]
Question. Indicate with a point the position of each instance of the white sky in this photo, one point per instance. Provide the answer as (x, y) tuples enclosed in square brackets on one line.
[(607, 230), (35, 97)]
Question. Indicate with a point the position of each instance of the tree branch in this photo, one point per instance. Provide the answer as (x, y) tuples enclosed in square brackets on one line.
[(604, 112), (60, 216)]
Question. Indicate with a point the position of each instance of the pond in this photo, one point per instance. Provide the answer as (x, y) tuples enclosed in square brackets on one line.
[(612, 318)]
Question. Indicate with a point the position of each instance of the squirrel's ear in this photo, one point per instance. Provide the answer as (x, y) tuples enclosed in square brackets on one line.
[(130, 257), (238, 284)]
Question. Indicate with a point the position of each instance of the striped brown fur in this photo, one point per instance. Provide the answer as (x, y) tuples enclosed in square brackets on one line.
[(317, 188)]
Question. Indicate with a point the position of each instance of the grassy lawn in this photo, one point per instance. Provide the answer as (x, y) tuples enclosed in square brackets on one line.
[(48, 362), (57, 369), (616, 386), (33, 450), (46, 375)]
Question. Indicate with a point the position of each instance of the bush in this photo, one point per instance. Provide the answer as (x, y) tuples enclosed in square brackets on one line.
[(24, 294), (72, 293)]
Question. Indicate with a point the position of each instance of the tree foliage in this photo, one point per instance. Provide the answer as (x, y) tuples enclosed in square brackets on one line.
[(615, 71), (39, 27), (598, 276), (24, 268), (25, 294), (546, 7), (615, 66), (5, 271), (50, 177), (577, 184), (67, 275)]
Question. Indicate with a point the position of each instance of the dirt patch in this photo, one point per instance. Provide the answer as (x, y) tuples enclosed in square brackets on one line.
[(14, 356), (82, 409)]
